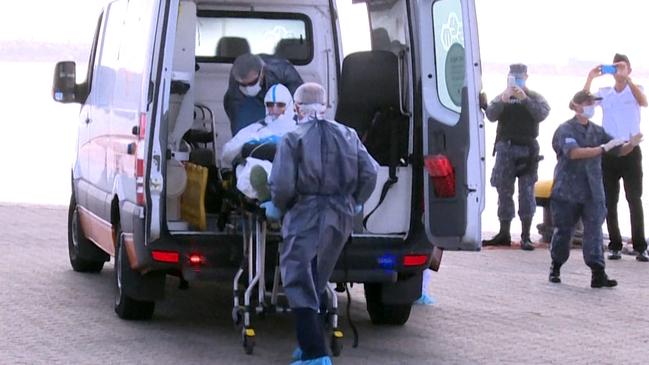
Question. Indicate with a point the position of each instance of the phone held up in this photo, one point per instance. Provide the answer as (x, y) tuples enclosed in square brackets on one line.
[(608, 69), (511, 81)]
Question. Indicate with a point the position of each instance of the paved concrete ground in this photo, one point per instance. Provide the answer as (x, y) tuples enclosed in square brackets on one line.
[(494, 307)]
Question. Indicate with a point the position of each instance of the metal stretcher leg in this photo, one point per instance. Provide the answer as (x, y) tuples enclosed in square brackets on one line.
[(247, 244), (336, 343)]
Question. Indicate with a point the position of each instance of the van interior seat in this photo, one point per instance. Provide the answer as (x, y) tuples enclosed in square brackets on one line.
[(292, 49), (369, 102), (232, 47)]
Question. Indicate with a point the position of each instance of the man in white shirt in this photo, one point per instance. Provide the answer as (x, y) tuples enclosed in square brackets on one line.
[(621, 109)]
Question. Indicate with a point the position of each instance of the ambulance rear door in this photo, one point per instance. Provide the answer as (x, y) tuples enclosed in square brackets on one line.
[(453, 129)]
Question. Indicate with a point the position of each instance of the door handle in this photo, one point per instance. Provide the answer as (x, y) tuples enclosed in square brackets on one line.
[(88, 120)]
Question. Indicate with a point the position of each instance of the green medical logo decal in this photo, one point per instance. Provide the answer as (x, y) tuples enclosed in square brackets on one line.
[(454, 73)]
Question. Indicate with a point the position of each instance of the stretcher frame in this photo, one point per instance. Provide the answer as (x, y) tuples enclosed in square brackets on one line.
[(254, 228)]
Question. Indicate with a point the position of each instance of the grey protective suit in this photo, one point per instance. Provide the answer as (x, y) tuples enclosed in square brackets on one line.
[(320, 172)]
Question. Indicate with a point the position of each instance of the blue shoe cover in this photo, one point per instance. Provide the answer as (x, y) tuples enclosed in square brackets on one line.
[(325, 360), (425, 299), (296, 355)]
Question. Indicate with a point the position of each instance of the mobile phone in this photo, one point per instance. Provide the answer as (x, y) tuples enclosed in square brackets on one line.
[(608, 69), (511, 81)]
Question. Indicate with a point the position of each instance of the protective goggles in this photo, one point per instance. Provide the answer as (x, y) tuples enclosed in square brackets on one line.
[(270, 104), (251, 83)]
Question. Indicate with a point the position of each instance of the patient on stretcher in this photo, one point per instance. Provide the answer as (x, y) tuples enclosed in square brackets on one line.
[(252, 149)]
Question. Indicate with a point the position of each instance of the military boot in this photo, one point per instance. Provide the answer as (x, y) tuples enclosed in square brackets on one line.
[(601, 280), (555, 273), (526, 242), (503, 238)]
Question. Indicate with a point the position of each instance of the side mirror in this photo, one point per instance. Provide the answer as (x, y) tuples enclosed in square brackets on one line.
[(65, 82)]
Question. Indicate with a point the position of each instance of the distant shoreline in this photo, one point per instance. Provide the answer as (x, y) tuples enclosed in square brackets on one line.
[(18, 51)]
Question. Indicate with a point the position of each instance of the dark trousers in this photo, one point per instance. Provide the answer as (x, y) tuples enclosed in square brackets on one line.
[(629, 168), (565, 216)]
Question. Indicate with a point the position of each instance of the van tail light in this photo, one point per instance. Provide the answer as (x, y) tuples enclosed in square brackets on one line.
[(139, 162), (142, 127), (196, 259), (415, 260), (442, 173), (170, 257), (139, 181)]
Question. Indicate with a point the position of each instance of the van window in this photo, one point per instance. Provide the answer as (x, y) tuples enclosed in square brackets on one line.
[(222, 36), (449, 52), (109, 54)]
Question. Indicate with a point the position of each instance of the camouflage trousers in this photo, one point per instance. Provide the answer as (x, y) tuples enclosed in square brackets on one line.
[(511, 164)]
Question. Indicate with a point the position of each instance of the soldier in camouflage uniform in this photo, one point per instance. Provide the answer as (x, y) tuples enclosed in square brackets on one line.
[(518, 111), (578, 190)]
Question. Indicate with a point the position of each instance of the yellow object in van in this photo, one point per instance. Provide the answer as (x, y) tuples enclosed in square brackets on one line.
[(192, 208), (543, 190)]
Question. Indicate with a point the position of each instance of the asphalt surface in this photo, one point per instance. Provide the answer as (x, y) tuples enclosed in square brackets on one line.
[(493, 307)]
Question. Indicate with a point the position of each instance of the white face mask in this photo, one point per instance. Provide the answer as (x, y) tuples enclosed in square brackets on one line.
[(588, 112), (251, 90)]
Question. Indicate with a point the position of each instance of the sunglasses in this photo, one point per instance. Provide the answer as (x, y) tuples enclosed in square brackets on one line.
[(270, 104), (251, 83)]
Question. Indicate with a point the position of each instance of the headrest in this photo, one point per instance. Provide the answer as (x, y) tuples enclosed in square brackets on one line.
[(232, 47), (292, 49)]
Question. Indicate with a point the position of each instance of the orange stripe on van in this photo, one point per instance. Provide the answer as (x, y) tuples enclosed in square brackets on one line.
[(97, 230)]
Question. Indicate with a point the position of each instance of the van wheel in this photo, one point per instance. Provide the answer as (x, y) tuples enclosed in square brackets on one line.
[(381, 313), (79, 247), (125, 306)]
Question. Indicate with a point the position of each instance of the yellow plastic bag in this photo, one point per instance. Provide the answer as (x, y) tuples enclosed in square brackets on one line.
[(192, 208)]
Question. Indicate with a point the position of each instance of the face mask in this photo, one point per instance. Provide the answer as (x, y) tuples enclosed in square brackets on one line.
[(251, 90), (588, 112), (520, 83)]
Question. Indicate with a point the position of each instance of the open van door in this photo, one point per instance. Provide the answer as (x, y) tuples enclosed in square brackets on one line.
[(453, 130), (161, 74)]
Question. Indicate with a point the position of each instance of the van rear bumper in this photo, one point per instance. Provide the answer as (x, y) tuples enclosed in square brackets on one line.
[(363, 260), (370, 259)]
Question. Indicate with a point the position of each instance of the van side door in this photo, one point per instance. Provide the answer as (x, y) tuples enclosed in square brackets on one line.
[(453, 141)]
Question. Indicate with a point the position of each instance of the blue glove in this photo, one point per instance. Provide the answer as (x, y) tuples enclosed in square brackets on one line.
[(272, 212), (358, 209), (270, 139)]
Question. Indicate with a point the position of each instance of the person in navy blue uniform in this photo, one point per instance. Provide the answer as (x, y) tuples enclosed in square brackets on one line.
[(250, 78), (578, 191), (518, 111)]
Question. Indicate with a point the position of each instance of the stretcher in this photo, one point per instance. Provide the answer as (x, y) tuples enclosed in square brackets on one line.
[(252, 297)]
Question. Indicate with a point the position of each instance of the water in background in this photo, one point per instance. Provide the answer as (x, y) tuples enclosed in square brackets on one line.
[(40, 137)]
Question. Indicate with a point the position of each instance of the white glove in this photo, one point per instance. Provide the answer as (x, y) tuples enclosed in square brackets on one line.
[(635, 139), (612, 144)]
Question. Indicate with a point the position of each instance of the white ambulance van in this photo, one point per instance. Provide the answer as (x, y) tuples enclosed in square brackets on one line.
[(151, 111)]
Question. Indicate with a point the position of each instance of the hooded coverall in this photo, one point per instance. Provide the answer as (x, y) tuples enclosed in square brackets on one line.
[(320, 173)]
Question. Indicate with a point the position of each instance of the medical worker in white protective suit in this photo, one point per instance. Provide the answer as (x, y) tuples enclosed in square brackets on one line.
[(321, 176), (279, 120)]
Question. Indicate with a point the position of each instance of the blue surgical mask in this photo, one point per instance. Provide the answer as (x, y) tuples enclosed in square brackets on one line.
[(520, 83), (588, 112)]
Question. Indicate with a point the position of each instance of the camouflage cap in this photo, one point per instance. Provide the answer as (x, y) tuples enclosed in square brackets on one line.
[(581, 97), (517, 69), (621, 57)]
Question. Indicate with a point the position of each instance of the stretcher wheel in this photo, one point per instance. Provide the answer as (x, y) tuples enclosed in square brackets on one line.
[(336, 343), (248, 340)]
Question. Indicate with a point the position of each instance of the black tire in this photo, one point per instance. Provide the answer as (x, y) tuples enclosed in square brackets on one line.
[(381, 313), (79, 247), (336, 345), (248, 343), (125, 306)]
